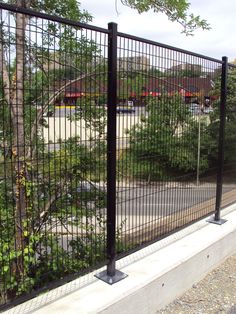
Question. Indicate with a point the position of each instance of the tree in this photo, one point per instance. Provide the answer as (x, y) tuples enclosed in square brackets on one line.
[(164, 145), (175, 10), (230, 125), (30, 66)]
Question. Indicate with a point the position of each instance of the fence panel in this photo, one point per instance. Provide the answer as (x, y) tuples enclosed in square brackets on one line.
[(166, 143), (71, 196), (53, 151), (229, 170)]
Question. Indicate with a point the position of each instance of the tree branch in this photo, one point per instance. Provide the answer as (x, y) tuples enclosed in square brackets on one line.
[(51, 101), (3, 69)]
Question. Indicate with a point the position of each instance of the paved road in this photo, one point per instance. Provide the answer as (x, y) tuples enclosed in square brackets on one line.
[(60, 127), (140, 208), (149, 201), (67, 111)]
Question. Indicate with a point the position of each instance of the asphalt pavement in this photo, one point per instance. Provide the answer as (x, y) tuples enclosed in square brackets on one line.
[(66, 111), (163, 201)]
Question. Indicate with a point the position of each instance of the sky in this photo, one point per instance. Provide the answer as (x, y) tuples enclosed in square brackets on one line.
[(217, 42)]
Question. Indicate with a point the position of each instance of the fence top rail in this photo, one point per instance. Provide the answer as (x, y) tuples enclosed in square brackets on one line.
[(54, 18), (232, 65), (30, 12), (151, 42)]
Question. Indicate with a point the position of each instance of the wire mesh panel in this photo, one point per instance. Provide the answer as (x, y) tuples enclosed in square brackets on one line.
[(167, 139), (52, 151), (59, 196), (229, 170)]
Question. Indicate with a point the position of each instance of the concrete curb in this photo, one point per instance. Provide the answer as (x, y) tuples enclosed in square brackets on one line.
[(156, 275)]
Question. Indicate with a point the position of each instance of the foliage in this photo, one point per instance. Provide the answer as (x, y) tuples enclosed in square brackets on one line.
[(230, 125), (42, 202), (164, 144), (68, 9), (175, 10), (54, 203), (44, 259), (40, 194), (136, 83), (189, 73)]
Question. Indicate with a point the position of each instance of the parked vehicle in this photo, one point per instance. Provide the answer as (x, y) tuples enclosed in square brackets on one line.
[(125, 109), (88, 186), (208, 109), (86, 190), (194, 109)]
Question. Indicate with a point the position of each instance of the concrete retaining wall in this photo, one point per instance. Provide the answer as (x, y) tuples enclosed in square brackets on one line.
[(156, 275)]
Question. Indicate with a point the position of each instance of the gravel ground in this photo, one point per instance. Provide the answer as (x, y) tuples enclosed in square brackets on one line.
[(216, 293)]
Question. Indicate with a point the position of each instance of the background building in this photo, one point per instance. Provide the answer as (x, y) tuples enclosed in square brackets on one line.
[(137, 63)]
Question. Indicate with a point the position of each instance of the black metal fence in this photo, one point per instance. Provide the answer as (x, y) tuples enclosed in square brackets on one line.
[(108, 142), (229, 139)]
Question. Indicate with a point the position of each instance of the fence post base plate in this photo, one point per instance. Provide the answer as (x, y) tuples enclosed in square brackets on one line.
[(111, 279), (216, 222)]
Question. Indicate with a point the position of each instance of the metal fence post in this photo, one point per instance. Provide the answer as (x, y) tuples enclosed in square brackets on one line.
[(111, 275), (223, 96)]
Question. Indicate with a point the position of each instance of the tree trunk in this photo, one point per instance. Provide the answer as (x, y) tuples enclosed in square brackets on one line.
[(18, 150)]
